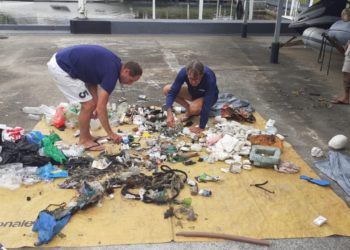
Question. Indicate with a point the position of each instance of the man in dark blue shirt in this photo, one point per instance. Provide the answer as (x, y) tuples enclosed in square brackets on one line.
[(200, 90), (78, 71)]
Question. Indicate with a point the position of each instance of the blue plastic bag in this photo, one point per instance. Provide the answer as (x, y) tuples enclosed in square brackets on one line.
[(47, 226), (49, 172), (34, 137)]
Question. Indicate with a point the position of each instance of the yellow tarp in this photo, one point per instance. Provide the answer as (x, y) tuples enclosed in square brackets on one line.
[(235, 208)]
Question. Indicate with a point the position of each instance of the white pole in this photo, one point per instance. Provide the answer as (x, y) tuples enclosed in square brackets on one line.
[(188, 11), (153, 9), (231, 10), (285, 10), (292, 6), (251, 9), (311, 2), (217, 9), (200, 12)]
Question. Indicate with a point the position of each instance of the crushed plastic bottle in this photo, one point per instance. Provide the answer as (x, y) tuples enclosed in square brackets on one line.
[(40, 110), (270, 127), (118, 117), (205, 178)]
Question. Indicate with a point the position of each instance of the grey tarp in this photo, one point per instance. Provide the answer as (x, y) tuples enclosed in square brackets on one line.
[(337, 167), (232, 100)]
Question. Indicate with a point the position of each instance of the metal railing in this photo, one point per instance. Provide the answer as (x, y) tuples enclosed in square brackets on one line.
[(82, 13), (292, 8)]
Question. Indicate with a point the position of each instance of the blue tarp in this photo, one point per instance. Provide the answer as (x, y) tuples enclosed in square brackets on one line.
[(337, 167)]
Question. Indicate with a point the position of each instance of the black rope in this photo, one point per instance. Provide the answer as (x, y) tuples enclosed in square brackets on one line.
[(260, 185), (322, 52), (160, 181)]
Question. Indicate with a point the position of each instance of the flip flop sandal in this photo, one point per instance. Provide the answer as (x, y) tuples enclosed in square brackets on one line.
[(97, 138), (102, 139), (94, 147)]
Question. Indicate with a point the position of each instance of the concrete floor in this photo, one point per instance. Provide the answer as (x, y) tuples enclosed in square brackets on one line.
[(294, 92)]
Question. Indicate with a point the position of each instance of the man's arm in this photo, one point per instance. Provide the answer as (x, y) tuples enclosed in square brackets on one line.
[(102, 114), (209, 98), (173, 92), (175, 88)]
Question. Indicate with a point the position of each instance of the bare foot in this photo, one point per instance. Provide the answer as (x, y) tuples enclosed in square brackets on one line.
[(341, 101)]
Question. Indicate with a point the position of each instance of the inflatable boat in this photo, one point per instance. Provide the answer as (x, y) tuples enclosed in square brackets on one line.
[(339, 31), (320, 15)]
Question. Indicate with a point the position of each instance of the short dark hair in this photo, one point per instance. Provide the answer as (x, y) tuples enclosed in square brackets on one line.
[(196, 68), (134, 68)]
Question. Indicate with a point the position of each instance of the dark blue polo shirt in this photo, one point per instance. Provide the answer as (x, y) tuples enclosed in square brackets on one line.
[(207, 88), (92, 64)]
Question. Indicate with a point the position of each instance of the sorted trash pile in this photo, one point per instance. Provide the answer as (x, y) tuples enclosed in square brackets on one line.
[(139, 166)]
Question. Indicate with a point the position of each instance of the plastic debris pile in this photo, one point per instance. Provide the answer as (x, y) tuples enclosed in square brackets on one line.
[(139, 165)]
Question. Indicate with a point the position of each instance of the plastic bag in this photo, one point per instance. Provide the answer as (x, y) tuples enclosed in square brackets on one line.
[(12, 134), (51, 150), (58, 119), (34, 137), (49, 172)]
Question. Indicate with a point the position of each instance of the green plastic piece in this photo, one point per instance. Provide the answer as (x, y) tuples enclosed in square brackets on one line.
[(186, 202), (51, 150)]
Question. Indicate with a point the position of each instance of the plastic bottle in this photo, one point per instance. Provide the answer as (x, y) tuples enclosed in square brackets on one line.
[(40, 110), (32, 110), (204, 178), (118, 116), (205, 193), (34, 117)]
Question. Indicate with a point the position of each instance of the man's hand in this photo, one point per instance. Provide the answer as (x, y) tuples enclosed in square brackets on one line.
[(115, 138), (196, 130), (170, 119), (94, 115)]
